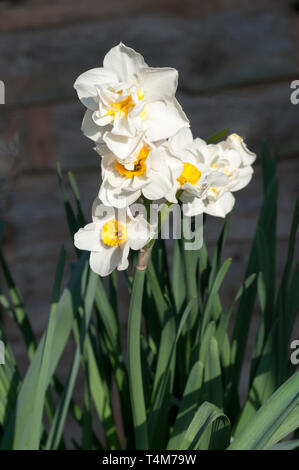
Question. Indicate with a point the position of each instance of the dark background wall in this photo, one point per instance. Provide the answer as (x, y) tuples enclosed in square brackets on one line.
[(236, 61)]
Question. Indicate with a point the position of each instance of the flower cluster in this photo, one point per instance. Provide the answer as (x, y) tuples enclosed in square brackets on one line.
[(148, 153)]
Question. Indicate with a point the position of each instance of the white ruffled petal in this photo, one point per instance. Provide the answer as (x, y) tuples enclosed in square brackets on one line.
[(236, 142), (87, 85), (243, 177), (116, 198), (221, 207), (102, 119), (139, 233), (121, 146), (105, 261), (159, 84), (164, 120), (124, 61), (123, 126), (90, 129), (181, 140), (216, 178), (171, 194), (192, 206), (158, 187)]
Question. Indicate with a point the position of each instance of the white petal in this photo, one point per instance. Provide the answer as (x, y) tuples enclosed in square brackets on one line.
[(102, 119), (192, 206), (175, 166), (181, 140), (158, 83), (164, 120), (139, 233), (121, 146), (171, 195), (115, 197), (124, 61), (123, 126), (124, 263), (216, 178), (234, 158), (158, 186), (222, 206), (105, 261), (238, 143), (87, 83), (88, 238), (243, 177), (90, 128)]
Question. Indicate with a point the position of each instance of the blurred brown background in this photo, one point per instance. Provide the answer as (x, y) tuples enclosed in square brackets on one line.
[(236, 61)]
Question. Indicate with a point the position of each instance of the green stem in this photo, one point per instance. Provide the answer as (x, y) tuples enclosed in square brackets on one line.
[(134, 360)]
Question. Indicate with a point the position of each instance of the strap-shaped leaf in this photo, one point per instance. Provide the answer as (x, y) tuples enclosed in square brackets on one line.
[(270, 418), (188, 405), (206, 415), (16, 435)]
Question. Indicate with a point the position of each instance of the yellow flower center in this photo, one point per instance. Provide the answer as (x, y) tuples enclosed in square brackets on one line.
[(190, 175), (124, 106), (139, 166), (113, 233)]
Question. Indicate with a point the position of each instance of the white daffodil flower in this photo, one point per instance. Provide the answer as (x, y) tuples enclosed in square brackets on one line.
[(232, 158), (126, 97), (109, 238), (196, 176), (149, 171)]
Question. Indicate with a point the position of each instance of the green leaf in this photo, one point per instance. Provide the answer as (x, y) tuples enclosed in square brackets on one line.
[(101, 394), (163, 383), (246, 305), (19, 311), (76, 192), (290, 424), (261, 333), (263, 384), (212, 388), (269, 166), (71, 218), (134, 359), (206, 315), (16, 436), (160, 408), (178, 276), (260, 429), (156, 291), (287, 445), (56, 430), (218, 136), (188, 405), (216, 260), (86, 443), (206, 415), (190, 263), (205, 341), (285, 301), (34, 431)]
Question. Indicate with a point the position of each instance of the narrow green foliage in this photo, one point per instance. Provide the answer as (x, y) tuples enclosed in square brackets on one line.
[(177, 384)]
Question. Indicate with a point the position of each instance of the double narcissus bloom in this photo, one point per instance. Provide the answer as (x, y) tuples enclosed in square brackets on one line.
[(149, 171), (109, 238), (148, 153), (126, 98)]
